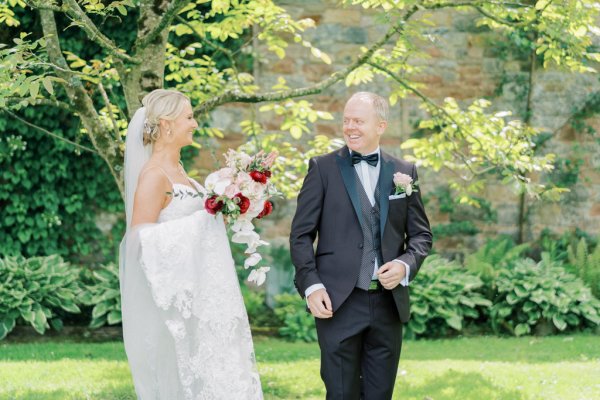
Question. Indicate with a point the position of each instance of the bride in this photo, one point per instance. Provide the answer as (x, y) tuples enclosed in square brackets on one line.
[(185, 327)]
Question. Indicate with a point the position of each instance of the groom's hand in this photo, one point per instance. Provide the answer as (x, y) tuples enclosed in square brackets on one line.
[(319, 304), (391, 274)]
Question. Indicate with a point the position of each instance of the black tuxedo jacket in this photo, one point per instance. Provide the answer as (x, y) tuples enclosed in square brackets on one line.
[(329, 208)]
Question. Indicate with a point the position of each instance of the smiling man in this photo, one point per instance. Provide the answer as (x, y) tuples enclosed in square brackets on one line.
[(373, 235)]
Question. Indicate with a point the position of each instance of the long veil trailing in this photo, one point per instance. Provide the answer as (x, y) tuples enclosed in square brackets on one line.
[(136, 155), (185, 328)]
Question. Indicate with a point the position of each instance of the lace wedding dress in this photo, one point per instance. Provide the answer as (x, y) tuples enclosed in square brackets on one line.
[(186, 330)]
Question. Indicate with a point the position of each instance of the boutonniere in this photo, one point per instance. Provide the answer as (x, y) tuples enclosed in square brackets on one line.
[(404, 184)]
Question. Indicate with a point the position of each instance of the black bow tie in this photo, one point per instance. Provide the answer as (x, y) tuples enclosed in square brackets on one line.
[(371, 159)]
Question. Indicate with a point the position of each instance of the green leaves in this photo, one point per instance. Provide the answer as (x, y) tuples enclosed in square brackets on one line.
[(528, 294), (563, 30), (298, 324), (474, 144), (34, 289), (38, 290), (444, 295), (102, 292)]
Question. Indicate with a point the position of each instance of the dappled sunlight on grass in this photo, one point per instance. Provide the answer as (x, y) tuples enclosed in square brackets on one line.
[(65, 379), (482, 368)]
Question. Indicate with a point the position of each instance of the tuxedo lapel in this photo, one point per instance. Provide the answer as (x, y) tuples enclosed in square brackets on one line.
[(386, 176), (347, 170)]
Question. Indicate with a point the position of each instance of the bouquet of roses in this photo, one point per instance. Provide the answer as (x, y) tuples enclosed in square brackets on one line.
[(241, 192)]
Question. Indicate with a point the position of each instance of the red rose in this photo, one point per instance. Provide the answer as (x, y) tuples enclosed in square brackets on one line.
[(213, 206), (267, 209), (243, 202), (258, 176)]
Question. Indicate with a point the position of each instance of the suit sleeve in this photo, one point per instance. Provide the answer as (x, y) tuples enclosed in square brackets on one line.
[(418, 232), (304, 228)]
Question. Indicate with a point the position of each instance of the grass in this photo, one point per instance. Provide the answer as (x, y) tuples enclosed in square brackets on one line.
[(550, 368)]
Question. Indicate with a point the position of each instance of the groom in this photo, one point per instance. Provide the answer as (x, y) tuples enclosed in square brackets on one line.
[(372, 239)]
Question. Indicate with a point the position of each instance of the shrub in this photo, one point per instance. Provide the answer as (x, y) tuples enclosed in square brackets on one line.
[(586, 265), (103, 293), (443, 295), (34, 290), (259, 314), (494, 256), (530, 294), (298, 324)]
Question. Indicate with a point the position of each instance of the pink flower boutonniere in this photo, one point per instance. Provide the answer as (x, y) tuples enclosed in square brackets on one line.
[(404, 184)]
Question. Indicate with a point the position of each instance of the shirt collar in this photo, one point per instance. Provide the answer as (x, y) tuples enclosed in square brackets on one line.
[(377, 151)]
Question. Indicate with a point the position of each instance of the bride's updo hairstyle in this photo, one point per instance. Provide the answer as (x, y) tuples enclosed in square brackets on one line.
[(161, 104)]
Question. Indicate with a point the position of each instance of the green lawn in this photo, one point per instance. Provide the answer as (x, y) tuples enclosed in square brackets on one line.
[(560, 368)]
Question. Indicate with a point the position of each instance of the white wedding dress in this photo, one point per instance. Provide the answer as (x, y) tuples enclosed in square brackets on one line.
[(186, 330)]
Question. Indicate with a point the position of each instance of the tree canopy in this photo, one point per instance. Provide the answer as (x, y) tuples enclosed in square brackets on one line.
[(204, 48)]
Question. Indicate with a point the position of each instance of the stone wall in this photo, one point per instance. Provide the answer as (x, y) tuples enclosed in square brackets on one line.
[(463, 64)]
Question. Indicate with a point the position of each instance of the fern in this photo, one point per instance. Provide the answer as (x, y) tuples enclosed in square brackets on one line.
[(493, 256), (586, 265)]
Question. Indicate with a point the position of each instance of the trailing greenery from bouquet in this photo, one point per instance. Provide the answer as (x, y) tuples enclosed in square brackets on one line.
[(444, 299), (34, 291), (101, 291), (530, 295)]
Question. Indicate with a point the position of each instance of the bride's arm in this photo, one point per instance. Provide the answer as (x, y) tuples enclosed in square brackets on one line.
[(150, 197)]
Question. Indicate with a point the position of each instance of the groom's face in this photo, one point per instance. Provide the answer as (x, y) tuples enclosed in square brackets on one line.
[(362, 127)]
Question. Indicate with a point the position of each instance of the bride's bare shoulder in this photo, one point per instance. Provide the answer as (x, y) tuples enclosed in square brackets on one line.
[(152, 176)]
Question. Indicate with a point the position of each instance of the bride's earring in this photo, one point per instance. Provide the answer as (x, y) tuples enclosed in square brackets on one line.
[(168, 132)]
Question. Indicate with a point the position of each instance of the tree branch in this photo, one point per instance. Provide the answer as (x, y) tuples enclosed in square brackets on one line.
[(402, 83), (477, 5), (38, 5), (47, 132), (110, 112), (43, 102), (233, 96), (80, 18), (171, 12), (80, 99)]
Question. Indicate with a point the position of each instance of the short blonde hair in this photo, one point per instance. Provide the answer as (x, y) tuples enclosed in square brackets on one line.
[(161, 104), (379, 103)]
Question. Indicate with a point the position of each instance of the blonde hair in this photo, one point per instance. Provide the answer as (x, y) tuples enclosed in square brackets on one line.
[(161, 104), (379, 103)]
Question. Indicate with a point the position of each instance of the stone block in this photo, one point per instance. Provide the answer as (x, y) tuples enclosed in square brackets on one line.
[(316, 72), (348, 17), (286, 66)]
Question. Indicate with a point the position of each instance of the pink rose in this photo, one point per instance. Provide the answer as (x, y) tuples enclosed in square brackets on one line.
[(401, 179)]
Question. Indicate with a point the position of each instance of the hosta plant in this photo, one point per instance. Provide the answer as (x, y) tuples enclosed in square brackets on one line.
[(102, 292), (443, 296), (530, 294), (298, 324), (35, 290)]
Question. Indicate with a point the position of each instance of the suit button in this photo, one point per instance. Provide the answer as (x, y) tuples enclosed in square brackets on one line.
[(360, 246)]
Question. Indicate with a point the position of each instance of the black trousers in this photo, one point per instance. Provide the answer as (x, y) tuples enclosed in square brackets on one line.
[(360, 347)]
